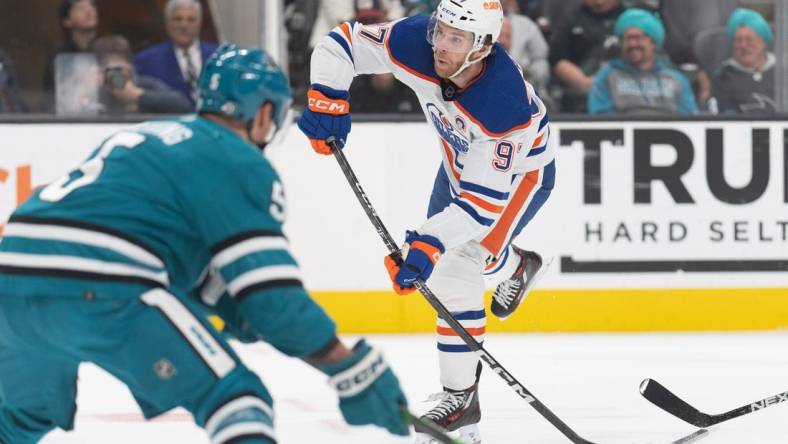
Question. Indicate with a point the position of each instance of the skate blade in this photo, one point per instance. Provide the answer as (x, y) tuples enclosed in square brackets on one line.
[(465, 435), (546, 262), (470, 434), (423, 438)]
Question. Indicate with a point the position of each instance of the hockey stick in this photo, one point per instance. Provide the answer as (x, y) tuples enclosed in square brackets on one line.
[(692, 437), (667, 401), (443, 312), (429, 427)]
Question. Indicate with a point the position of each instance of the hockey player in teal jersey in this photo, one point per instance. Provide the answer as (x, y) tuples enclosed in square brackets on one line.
[(99, 266)]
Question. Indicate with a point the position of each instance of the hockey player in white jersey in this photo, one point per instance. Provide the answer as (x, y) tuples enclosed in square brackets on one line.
[(498, 168)]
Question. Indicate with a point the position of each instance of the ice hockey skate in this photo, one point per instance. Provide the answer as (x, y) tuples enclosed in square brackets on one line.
[(458, 410), (510, 292)]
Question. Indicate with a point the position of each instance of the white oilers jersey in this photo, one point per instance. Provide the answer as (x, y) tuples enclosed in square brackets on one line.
[(491, 135)]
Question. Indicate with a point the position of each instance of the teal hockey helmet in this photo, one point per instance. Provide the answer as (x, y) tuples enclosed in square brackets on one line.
[(236, 82)]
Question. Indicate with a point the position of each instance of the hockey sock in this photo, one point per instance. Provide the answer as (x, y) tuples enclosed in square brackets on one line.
[(457, 361)]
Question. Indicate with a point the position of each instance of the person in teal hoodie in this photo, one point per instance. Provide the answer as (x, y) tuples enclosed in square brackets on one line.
[(637, 82)]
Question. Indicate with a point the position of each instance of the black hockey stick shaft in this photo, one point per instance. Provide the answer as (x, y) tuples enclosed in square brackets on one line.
[(442, 311), (663, 398)]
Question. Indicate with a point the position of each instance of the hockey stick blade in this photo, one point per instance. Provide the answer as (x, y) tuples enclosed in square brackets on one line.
[(669, 402), (442, 311), (428, 427)]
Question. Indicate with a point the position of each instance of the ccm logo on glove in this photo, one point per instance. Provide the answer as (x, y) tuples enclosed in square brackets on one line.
[(318, 102), (351, 383)]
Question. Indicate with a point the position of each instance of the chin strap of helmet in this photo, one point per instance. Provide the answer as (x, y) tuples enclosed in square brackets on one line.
[(468, 62)]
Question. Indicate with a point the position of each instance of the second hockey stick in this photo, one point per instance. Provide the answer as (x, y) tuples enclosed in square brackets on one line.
[(669, 402), (428, 427), (443, 312)]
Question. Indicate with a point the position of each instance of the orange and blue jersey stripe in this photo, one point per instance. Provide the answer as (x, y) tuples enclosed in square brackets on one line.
[(454, 167), (471, 211), (530, 194), (342, 34), (484, 191), (484, 200), (496, 265), (540, 143)]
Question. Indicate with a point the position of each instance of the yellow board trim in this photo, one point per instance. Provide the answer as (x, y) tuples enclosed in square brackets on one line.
[(632, 310)]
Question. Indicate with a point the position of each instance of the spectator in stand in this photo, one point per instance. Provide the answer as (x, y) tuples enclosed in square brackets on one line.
[(382, 93), (330, 14), (299, 18), (178, 61), (123, 91), (415, 7), (745, 82), (79, 21), (524, 42), (638, 82), (579, 48), (10, 93), (533, 9), (688, 24)]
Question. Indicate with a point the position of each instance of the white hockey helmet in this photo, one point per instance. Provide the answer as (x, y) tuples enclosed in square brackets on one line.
[(480, 17)]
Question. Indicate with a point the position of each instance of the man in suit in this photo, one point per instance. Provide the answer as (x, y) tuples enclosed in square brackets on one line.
[(178, 61)]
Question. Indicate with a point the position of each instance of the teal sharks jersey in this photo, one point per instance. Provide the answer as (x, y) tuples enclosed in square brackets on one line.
[(183, 204)]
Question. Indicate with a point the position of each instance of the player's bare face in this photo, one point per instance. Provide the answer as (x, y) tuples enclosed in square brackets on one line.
[(450, 47)]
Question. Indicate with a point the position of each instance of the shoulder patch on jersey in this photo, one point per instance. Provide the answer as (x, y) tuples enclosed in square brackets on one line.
[(498, 101), (409, 49)]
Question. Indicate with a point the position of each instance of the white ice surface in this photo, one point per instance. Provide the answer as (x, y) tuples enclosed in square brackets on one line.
[(589, 380)]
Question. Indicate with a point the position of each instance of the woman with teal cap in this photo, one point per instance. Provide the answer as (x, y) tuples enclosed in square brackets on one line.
[(745, 82)]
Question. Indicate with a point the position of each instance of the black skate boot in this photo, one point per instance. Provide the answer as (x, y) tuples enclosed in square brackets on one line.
[(457, 410), (510, 292)]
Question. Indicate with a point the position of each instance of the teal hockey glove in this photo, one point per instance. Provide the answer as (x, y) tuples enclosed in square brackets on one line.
[(369, 393)]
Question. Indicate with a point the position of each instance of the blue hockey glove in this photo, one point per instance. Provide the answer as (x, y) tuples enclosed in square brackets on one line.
[(423, 252), (369, 393), (327, 114)]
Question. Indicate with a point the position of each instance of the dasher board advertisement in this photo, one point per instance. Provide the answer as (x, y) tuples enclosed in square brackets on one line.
[(635, 205)]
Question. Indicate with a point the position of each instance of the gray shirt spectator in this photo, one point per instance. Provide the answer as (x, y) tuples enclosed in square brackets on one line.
[(524, 42)]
